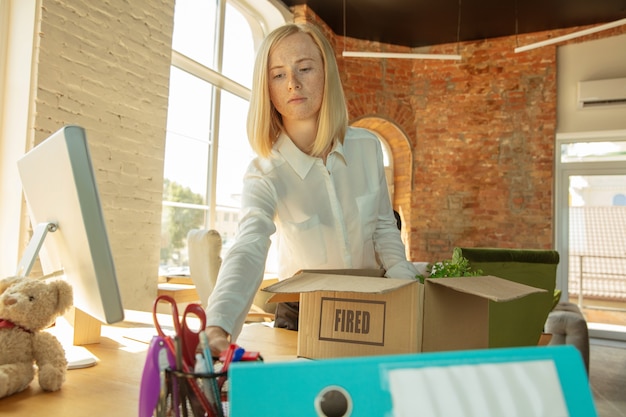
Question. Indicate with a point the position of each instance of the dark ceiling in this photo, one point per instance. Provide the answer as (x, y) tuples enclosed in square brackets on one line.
[(416, 23)]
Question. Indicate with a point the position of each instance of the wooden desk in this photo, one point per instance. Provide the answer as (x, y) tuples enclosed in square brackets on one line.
[(111, 388)]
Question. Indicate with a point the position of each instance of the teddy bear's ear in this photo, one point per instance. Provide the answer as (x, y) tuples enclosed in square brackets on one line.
[(65, 297), (7, 282)]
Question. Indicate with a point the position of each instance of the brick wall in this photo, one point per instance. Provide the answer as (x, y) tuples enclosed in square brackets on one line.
[(105, 66), (481, 135)]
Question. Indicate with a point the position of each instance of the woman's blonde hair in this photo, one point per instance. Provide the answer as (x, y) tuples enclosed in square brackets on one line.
[(264, 123)]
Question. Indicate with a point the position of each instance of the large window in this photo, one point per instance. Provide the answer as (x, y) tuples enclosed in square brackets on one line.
[(207, 149), (591, 218)]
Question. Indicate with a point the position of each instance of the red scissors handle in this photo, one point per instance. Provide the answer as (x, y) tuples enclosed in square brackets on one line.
[(190, 337), (173, 312)]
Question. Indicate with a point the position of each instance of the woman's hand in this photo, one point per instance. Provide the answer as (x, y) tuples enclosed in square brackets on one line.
[(218, 340)]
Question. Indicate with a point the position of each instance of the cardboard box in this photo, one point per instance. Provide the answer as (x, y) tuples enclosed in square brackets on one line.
[(359, 312)]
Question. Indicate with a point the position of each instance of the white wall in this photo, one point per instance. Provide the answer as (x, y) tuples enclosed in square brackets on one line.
[(105, 66), (594, 60)]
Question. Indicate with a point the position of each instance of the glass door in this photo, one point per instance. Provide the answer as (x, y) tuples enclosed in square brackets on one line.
[(591, 230)]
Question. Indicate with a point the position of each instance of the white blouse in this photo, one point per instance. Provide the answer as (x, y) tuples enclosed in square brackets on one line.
[(336, 216)]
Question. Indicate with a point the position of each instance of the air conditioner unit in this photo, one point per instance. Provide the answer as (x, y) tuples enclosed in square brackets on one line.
[(601, 93)]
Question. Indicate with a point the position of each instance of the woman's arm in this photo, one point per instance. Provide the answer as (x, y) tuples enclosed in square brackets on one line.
[(242, 271), (387, 239)]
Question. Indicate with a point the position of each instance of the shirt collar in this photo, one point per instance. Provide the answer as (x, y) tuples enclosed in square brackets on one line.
[(339, 152), (298, 160)]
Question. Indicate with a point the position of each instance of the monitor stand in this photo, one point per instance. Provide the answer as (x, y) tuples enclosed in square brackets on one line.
[(85, 328), (79, 357), (71, 333), (33, 248)]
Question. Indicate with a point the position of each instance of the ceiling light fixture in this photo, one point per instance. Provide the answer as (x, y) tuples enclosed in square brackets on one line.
[(571, 35), (396, 55), (357, 54)]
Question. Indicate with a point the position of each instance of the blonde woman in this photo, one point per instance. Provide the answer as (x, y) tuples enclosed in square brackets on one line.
[(317, 183)]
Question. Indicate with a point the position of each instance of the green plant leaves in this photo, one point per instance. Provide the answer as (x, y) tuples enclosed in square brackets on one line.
[(458, 266)]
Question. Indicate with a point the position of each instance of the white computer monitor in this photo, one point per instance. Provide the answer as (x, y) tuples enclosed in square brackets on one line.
[(69, 227)]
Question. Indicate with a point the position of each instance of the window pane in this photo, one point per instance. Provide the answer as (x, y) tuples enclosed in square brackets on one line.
[(187, 138), (597, 191), (593, 151), (175, 224), (238, 59), (234, 154), (597, 245), (185, 167), (194, 30)]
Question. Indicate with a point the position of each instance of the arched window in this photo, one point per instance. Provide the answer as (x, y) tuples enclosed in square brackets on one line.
[(388, 164), (207, 149)]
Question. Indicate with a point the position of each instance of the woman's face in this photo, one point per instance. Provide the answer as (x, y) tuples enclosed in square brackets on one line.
[(296, 78)]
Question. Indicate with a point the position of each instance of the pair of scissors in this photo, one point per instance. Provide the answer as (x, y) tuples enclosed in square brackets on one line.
[(183, 344), (189, 338)]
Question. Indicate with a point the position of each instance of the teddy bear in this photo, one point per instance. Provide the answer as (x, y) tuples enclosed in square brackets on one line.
[(27, 307)]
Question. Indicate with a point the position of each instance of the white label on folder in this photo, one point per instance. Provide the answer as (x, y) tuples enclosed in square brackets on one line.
[(522, 389)]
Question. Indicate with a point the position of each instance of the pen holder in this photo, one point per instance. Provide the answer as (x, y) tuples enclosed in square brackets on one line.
[(192, 394)]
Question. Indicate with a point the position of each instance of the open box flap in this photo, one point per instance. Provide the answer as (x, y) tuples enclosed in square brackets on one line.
[(360, 272), (335, 280), (490, 287)]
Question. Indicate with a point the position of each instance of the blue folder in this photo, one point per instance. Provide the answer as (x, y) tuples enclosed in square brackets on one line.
[(373, 386)]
